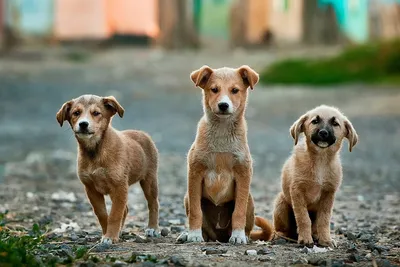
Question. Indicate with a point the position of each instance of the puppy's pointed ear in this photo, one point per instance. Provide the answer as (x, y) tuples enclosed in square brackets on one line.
[(201, 76), (297, 128), (63, 114), (249, 76), (351, 134), (111, 103)]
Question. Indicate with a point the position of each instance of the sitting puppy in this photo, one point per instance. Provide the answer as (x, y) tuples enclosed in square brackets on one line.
[(312, 175), (109, 161), (218, 202)]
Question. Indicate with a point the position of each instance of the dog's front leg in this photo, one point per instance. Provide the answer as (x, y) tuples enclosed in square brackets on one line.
[(303, 220), (119, 199), (98, 203), (323, 219), (242, 176), (195, 181)]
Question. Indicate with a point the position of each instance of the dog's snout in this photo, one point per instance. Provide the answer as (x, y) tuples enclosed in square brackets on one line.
[(83, 125), (223, 106), (323, 133)]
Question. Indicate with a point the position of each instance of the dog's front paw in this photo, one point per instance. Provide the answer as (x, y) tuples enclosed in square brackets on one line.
[(238, 237), (150, 232), (108, 240), (306, 240), (195, 236)]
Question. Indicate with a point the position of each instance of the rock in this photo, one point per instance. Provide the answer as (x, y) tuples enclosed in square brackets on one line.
[(148, 264), (213, 251), (313, 260), (354, 257), (177, 261), (351, 236), (264, 251), (73, 236), (384, 263), (365, 238), (251, 252), (87, 264), (301, 261), (164, 232), (352, 248), (339, 231), (66, 250), (338, 263), (177, 229), (119, 263), (47, 219), (381, 249), (368, 256), (81, 241), (304, 250)]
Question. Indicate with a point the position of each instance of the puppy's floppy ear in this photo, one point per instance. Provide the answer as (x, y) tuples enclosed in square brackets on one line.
[(200, 77), (351, 134), (111, 103), (63, 113), (249, 76), (297, 128)]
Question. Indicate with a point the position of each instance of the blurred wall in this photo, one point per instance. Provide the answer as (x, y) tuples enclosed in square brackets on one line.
[(285, 20), (76, 19)]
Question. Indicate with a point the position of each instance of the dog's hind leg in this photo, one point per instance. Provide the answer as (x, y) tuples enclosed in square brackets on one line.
[(150, 190), (282, 217)]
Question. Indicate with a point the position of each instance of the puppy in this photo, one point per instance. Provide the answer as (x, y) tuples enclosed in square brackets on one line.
[(312, 175), (109, 161), (218, 203)]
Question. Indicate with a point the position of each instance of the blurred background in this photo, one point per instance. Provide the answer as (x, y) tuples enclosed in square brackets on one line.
[(308, 52)]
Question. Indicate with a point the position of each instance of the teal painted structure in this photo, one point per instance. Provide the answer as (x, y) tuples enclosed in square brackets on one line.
[(30, 17), (352, 16)]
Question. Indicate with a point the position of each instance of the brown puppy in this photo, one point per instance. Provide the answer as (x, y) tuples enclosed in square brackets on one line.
[(312, 175), (109, 161), (218, 202)]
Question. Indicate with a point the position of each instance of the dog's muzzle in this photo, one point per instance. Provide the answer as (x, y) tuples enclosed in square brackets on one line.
[(323, 138)]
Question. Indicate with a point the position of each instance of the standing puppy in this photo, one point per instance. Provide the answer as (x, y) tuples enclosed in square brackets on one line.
[(218, 202), (109, 161), (312, 175)]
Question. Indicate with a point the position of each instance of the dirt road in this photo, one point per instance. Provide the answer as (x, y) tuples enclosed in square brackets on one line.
[(37, 157)]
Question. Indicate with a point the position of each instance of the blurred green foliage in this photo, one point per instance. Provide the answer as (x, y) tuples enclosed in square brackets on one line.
[(371, 63)]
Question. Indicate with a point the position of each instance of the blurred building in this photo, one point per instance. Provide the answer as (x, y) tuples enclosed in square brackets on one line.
[(182, 23)]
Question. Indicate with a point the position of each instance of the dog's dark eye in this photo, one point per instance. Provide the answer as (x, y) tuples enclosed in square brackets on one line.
[(334, 123), (214, 90), (76, 113), (95, 113), (315, 121), (235, 91)]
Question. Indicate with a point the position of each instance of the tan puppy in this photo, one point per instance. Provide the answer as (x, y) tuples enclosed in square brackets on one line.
[(312, 175), (218, 202), (109, 161)]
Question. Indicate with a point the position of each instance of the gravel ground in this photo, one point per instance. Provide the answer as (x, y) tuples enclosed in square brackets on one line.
[(37, 158)]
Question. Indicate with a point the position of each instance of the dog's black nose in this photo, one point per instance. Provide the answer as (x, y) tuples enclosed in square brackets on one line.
[(323, 133), (223, 106), (83, 125)]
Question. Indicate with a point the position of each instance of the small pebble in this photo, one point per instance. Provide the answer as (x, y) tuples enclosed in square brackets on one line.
[(118, 263), (164, 232), (251, 252), (213, 251)]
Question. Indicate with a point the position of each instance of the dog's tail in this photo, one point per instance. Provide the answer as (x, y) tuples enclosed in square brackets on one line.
[(266, 232)]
